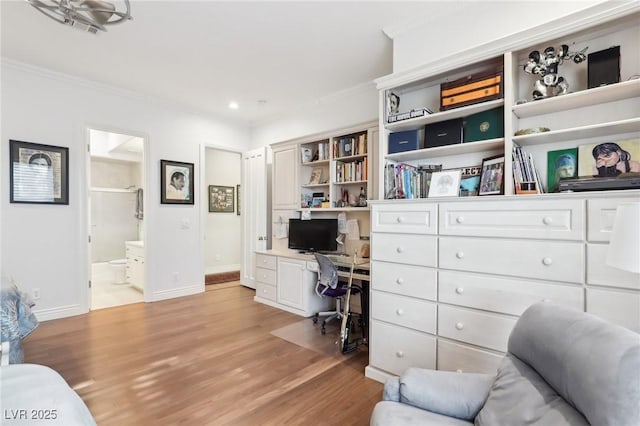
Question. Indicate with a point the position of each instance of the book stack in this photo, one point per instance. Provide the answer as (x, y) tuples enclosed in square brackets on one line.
[(323, 151), (351, 171), (525, 176), (350, 145), (407, 181)]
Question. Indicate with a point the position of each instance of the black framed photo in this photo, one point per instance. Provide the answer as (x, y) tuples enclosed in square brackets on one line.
[(39, 173), (238, 198), (176, 182), (492, 177), (221, 199)]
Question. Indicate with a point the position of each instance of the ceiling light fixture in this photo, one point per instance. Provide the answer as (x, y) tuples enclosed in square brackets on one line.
[(234, 105), (86, 15)]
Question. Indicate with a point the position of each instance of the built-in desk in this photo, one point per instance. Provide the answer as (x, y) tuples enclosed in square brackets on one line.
[(286, 280)]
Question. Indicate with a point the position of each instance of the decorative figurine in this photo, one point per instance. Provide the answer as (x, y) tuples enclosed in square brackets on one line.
[(546, 66)]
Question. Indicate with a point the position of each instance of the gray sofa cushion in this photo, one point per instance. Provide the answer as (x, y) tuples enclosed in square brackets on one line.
[(519, 396), (398, 414), (592, 364)]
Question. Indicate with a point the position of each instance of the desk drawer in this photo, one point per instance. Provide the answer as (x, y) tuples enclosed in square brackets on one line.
[(475, 327), (412, 218), (266, 291), (601, 213), (619, 307), (551, 219), (394, 349), (404, 311), (465, 359), (555, 260), (598, 272), (409, 280), (266, 276), (502, 294), (403, 248), (266, 261)]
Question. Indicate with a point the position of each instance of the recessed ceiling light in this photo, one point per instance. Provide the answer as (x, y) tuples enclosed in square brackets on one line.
[(234, 105)]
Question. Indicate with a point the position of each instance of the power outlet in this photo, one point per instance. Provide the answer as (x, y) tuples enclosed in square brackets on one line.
[(36, 293)]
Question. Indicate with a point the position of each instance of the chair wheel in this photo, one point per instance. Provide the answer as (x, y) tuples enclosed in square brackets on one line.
[(323, 330), (315, 319)]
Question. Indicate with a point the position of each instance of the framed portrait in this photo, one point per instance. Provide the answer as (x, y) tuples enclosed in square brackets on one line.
[(238, 198), (470, 181), (39, 173), (492, 176), (176, 182), (445, 183), (607, 159), (561, 164), (221, 199), (316, 175)]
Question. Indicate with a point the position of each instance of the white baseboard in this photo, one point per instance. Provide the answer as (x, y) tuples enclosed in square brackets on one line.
[(176, 292), (221, 268), (377, 375), (59, 312)]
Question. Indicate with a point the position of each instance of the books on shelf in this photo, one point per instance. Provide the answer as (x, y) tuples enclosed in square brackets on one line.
[(347, 146), (403, 180), (352, 171), (526, 178), (418, 112)]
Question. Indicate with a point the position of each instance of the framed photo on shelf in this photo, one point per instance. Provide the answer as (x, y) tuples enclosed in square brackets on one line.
[(316, 175), (470, 181), (176, 182), (561, 164), (39, 173), (609, 159), (492, 176), (445, 183), (221, 199), (316, 202)]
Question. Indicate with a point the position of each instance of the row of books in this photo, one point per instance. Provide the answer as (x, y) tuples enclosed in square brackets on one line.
[(309, 154), (350, 145), (525, 175), (403, 180), (352, 171)]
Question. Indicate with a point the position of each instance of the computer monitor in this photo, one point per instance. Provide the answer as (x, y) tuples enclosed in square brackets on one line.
[(313, 235)]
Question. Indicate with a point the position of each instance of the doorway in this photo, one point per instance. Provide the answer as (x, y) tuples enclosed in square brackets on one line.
[(116, 218)]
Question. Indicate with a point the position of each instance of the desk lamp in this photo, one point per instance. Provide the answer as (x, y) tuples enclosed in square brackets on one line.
[(624, 246)]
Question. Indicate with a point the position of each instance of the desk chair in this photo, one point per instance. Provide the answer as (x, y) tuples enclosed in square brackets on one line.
[(329, 286)]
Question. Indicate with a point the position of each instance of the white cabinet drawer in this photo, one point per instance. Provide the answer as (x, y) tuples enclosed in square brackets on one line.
[(598, 272), (409, 280), (394, 349), (134, 250), (478, 328), (618, 307), (266, 291), (551, 219), (413, 218), (601, 213), (501, 294), (266, 261), (404, 311), (266, 276), (404, 248), (465, 359), (556, 260)]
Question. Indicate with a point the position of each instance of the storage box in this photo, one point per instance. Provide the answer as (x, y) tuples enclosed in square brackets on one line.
[(443, 133), (471, 89), (484, 125), (407, 140)]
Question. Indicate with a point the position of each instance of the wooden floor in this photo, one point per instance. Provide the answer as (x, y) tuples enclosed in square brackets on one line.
[(207, 359)]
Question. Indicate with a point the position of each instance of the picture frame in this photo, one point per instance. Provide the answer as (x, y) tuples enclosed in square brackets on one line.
[(39, 174), (316, 176), (238, 199), (445, 183), (625, 152), (470, 181), (492, 176), (221, 199), (316, 202), (176, 182), (561, 164)]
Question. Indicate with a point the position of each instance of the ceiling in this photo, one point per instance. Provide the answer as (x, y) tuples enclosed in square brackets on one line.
[(269, 57)]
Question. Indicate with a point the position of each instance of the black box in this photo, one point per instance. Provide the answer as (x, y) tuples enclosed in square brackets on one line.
[(604, 67), (443, 133), (407, 140)]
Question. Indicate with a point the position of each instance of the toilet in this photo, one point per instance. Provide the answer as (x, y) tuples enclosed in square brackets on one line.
[(119, 268)]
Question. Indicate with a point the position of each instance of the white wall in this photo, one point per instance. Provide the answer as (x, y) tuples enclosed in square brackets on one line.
[(45, 246), (222, 230)]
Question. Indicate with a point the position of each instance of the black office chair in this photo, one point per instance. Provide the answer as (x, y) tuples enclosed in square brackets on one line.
[(328, 285)]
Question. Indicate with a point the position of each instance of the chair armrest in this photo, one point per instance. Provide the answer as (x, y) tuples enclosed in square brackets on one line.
[(459, 395)]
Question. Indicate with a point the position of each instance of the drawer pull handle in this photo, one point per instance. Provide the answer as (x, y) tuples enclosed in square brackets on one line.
[(547, 261), (400, 219), (400, 250), (460, 290), (458, 371), (459, 326), (399, 311), (460, 254), (399, 281), (399, 354), (264, 291), (264, 260), (547, 220), (460, 219)]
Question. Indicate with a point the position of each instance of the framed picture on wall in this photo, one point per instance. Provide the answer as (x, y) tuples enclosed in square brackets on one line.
[(38, 173), (221, 199), (238, 198), (176, 182)]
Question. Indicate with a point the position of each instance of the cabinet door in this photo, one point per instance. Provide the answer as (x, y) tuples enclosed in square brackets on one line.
[(254, 213), (285, 183), (290, 282)]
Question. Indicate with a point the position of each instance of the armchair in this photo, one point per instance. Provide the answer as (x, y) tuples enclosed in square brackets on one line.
[(563, 367)]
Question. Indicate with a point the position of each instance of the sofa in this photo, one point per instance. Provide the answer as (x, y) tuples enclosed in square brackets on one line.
[(562, 367)]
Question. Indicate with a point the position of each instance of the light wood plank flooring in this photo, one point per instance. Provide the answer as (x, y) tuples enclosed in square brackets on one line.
[(207, 359)]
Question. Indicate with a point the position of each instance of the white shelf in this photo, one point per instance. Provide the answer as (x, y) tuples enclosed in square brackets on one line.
[(352, 182), (316, 163), (350, 158), (599, 95), (584, 132), (442, 151), (415, 123), (315, 185), (337, 209)]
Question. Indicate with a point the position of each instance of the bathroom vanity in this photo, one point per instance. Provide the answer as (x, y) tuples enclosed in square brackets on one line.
[(135, 264)]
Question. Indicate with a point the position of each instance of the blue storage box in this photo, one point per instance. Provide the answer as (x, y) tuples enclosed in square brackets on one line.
[(408, 140)]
